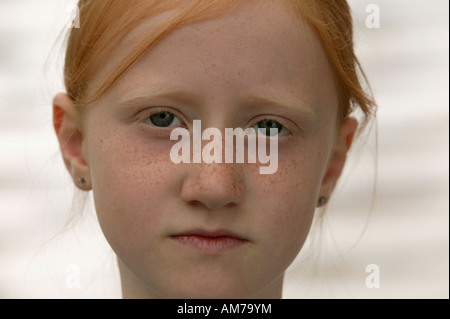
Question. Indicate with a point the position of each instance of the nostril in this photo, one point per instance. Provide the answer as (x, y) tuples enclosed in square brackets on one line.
[(196, 204)]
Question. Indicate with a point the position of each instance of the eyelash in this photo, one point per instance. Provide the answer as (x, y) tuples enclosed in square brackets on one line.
[(148, 116)]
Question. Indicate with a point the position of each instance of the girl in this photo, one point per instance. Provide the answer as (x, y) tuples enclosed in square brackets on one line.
[(135, 70)]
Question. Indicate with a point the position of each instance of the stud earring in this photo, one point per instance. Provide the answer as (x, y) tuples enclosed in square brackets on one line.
[(322, 200), (81, 182)]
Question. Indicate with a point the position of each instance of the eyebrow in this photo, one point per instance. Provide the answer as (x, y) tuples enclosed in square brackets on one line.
[(291, 105), (161, 91)]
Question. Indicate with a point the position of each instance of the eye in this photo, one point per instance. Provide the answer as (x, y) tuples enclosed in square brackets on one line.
[(163, 119), (264, 126)]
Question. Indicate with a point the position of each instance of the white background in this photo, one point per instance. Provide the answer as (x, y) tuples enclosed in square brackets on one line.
[(406, 234)]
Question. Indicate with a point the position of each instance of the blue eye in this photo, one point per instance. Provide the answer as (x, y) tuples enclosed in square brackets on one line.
[(163, 119), (264, 126)]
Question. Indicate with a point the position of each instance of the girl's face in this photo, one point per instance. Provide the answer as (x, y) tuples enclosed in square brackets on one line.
[(213, 230)]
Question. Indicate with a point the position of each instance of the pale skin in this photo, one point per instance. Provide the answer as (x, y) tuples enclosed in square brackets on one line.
[(218, 71)]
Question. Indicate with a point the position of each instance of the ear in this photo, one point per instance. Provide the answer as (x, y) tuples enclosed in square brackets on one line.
[(338, 157), (70, 138)]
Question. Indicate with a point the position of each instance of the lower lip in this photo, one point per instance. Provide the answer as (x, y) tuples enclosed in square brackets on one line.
[(209, 244)]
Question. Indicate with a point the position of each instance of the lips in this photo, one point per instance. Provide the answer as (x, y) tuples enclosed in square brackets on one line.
[(209, 241)]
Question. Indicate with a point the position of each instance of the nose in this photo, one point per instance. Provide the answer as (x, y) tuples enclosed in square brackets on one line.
[(214, 186)]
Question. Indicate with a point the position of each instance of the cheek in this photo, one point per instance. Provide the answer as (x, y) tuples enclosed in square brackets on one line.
[(287, 200), (129, 179), (296, 183)]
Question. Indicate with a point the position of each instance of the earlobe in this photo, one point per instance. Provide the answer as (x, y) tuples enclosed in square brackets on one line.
[(338, 158), (70, 138)]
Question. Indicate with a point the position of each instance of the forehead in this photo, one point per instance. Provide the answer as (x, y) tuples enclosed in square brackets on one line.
[(256, 45)]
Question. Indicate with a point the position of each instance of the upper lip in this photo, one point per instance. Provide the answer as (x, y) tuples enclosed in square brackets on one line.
[(209, 233)]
